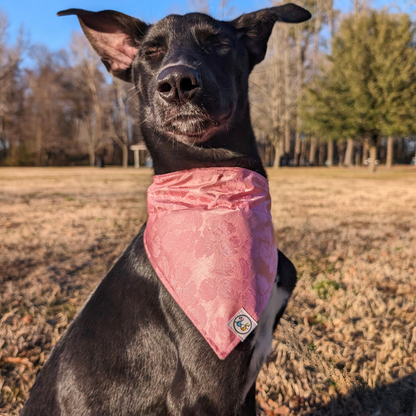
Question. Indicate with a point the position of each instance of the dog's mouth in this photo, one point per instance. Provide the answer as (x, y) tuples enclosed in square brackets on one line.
[(195, 127)]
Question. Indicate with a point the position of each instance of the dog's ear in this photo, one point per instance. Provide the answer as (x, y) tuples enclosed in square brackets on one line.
[(255, 28), (114, 36)]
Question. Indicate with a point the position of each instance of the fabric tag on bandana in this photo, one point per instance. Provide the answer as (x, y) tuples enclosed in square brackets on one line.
[(242, 324)]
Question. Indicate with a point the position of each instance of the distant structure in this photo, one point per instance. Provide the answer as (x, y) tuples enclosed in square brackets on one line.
[(136, 148)]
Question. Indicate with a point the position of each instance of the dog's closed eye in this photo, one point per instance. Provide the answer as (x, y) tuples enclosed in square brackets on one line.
[(218, 45), (153, 50)]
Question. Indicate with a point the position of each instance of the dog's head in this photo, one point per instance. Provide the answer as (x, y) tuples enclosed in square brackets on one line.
[(191, 72)]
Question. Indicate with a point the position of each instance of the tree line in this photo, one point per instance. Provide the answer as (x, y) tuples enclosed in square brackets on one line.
[(339, 89), (62, 108)]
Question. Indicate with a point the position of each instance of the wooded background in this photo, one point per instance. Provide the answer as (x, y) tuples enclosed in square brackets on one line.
[(339, 89)]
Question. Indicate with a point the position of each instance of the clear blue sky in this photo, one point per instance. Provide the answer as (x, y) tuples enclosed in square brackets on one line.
[(40, 21)]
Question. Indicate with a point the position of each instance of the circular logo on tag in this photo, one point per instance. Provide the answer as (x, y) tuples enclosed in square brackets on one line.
[(242, 324)]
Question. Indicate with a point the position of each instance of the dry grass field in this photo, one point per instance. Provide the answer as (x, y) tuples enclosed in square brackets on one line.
[(347, 344)]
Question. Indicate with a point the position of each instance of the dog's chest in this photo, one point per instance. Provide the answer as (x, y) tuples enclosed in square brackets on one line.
[(264, 333)]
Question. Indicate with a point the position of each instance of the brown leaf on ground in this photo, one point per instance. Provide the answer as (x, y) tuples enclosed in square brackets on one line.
[(347, 342), (27, 319), (283, 410), (18, 361)]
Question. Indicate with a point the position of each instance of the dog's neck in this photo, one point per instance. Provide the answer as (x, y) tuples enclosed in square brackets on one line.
[(234, 148)]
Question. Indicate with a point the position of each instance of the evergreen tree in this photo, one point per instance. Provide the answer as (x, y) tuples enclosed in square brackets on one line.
[(368, 89)]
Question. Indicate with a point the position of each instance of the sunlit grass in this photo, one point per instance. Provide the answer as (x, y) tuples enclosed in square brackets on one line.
[(350, 326)]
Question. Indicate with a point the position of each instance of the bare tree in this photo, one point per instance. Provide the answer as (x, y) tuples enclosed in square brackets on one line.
[(45, 123), (349, 153), (358, 5), (90, 82), (330, 13), (389, 156), (299, 87), (267, 86), (315, 57), (288, 107), (120, 125), (302, 35), (10, 58)]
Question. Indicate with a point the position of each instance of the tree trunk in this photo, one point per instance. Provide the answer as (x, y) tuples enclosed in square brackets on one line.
[(349, 152), (268, 155), (341, 153), (287, 91), (3, 148), (276, 163), (92, 157), (278, 153), (389, 158), (357, 158), (299, 89), (315, 57), (297, 149), (287, 138), (331, 153), (110, 153), (302, 156), (400, 150), (124, 134), (321, 154), (373, 157), (317, 29), (125, 156), (365, 153), (38, 146), (312, 152)]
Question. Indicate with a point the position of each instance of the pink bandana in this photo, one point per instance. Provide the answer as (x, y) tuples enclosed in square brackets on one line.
[(210, 239)]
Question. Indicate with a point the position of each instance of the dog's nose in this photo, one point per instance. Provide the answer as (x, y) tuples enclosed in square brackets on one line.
[(178, 84)]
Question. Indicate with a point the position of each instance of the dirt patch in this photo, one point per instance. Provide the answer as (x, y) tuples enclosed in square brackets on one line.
[(347, 344)]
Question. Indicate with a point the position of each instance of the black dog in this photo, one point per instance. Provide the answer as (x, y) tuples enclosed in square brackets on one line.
[(132, 350)]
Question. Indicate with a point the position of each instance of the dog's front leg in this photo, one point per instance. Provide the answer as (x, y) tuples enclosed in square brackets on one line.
[(200, 394), (249, 406), (182, 402)]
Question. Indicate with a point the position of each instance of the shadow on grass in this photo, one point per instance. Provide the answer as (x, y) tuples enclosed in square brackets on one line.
[(398, 399)]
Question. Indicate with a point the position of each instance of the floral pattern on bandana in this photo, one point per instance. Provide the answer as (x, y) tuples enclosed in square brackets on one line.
[(210, 240)]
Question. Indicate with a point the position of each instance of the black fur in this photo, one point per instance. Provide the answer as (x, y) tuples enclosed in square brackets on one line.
[(131, 350)]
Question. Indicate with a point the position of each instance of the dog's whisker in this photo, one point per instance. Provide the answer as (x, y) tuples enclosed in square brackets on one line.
[(261, 110), (260, 88)]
